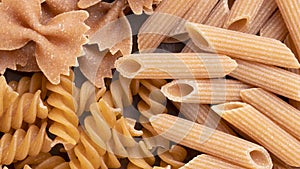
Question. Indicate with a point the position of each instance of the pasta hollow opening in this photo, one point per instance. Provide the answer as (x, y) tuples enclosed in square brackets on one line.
[(259, 158), (180, 89), (238, 25), (198, 37), (232, 106), (130, 66)]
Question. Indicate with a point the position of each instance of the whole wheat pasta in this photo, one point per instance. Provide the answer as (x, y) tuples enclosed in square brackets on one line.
[(289, 43), (211, 91), (7, 96), (279, 111), (267, 133), (182, 65), (202, 114), (205, 161), (207, 140), (158, 26), (268, 77), (190, 47), (275, 27), (290, 11), (242, 14), (174, 156), (241, 45)]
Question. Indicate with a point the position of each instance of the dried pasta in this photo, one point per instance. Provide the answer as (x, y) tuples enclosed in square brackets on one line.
[(207, 140), (211, 91), (205, 161), (283, 114), (242, 14), (275, 27), (269, 78), (7, 96), (173, 157), (188, 66), (228, 42), (267, 133)]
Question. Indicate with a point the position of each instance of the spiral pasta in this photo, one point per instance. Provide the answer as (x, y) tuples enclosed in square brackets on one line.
[(7, 95), (65, 120), (21, 143)]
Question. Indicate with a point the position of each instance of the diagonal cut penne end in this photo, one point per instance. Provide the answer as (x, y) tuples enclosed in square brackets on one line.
[(128, 67), (226, 107), (178, 90)]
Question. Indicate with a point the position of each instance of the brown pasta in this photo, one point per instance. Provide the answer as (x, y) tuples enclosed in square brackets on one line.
[(7, 96), (173, 157)]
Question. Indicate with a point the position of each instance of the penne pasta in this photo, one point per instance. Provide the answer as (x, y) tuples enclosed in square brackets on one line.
[(159, 25), (205, 161), (283, 114), (210, 141), (259, 127), (266, 10), (175, 65), (289, 43), (290, 10), (242, 14), (211, 91), (271, 78), (202, 114), (242, 45), (275, 27), (190, 47)]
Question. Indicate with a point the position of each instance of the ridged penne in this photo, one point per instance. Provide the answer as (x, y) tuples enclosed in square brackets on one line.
[(210, 141), (289, 43), (211, 91), (275, 27), (219, 14), (242, 14), (271, 78), (159, 25), (202, 114), (279, 111), (179, 65), (290, 10), (263, 130), (241, 45), (266, 10), (205, 161)]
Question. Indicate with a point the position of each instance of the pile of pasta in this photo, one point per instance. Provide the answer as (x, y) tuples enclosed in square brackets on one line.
[(206, 84)]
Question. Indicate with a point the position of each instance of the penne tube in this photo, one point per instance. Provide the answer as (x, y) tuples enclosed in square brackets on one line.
[(283, 114), (210, 141), (211, 91), (263, 130), (174, 65), (159, 25), (242, 14), (275, 27), (271, 78), (205, 161), (202, 114), (278, 164), (190, 47), (242, 45), (289, 43), (290, 10)]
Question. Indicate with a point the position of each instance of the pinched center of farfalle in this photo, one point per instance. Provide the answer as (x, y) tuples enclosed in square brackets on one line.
[(58, 40)]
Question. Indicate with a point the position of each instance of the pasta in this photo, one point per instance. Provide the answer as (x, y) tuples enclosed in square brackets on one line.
[(7, 96), (121, 92), (242, 14), (204, 161), (266, 133), (269, 78), (26, 108), (207, 140), (173, 157), (228, 42), (274, 27), (21, 143), (138, 7), (158, 26), (290, 13), (211, 91), (192, 65), (202, 114), (283, 114), (63, 113)]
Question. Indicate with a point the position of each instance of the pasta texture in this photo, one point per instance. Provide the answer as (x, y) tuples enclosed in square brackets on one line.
[(21, 143), (228, 42), (205, 161), (7, 96), (204, 91), (283, 114), (218, 14), (275, 27), (244, 117), (191, 66), (269, 78), (290, 11), (207, 140), (242, 14)]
